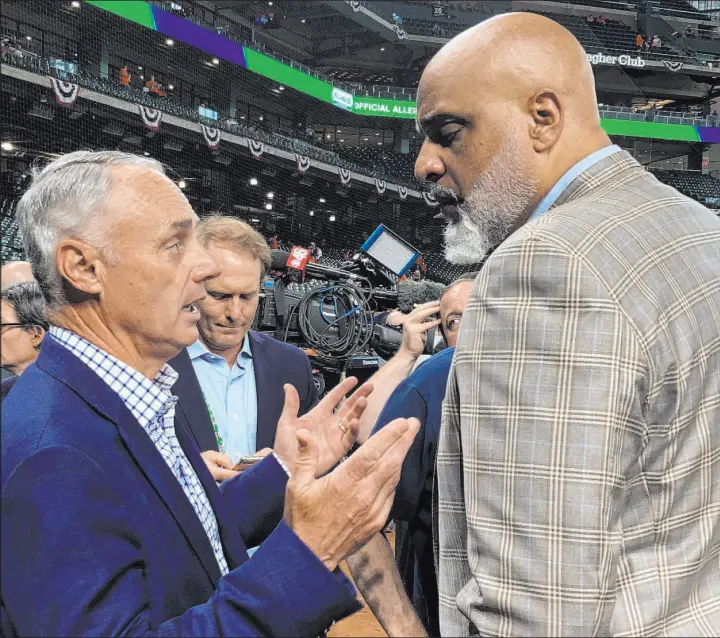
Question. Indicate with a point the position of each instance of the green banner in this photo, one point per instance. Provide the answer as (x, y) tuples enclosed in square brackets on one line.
[(384, 108)]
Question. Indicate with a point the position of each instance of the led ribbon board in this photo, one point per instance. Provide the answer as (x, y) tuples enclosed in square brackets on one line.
[(219, 46)]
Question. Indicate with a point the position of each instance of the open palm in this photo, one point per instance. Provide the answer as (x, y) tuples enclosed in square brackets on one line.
[(322, 422)]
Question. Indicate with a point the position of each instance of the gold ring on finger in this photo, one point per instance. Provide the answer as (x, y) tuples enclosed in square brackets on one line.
[(343, 427)]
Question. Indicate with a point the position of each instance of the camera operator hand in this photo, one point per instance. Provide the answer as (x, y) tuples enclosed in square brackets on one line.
[(415, 327), (338, 513), (387, 378), (322, 422)]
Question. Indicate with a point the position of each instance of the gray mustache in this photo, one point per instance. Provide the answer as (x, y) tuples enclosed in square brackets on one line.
[(444, 196)]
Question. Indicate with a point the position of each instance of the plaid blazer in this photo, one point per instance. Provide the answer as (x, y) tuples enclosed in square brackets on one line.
[(578, 471)]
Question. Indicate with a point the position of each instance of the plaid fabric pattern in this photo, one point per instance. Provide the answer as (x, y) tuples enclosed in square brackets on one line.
[(153, 405), (578, 471)]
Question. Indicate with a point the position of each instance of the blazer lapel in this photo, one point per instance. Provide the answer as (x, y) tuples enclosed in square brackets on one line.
[(268, 408), (69, 370), (192, 402), (233, 544)]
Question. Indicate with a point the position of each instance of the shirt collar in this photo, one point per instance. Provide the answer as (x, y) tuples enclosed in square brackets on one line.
[(144, 397), (199, 349), (565, 181)]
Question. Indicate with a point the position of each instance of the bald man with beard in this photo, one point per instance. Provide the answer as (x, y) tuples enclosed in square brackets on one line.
[(578, 475)]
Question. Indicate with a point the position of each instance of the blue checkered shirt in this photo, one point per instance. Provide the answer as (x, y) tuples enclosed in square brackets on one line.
[(153, 405)]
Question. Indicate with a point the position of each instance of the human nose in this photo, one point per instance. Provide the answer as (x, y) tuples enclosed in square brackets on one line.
[(428, 165)]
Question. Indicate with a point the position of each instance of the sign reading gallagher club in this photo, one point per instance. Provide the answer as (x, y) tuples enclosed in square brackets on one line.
[(621, 60)]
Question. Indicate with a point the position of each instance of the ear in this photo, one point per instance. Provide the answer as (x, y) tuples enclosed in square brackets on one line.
[(37, 333), (546, 120), (81, 266)]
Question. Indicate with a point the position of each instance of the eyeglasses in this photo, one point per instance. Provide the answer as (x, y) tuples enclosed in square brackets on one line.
[(8, 325)]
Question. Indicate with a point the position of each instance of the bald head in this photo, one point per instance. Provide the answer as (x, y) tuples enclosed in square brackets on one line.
[(513, 56), (14, 273), (507, 108)]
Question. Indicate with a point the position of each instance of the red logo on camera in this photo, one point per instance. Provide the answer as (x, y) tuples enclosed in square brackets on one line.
[(298, 258)]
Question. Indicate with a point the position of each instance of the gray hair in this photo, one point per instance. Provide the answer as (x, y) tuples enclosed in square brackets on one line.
[(63, 202), (27, 301)]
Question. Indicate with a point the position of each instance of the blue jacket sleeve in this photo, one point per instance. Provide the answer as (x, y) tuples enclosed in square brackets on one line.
[(256, 499), (73, 565), (407, 402)]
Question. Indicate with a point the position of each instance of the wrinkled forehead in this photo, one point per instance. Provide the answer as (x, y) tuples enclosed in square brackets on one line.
[(448, 86), (455, 299)]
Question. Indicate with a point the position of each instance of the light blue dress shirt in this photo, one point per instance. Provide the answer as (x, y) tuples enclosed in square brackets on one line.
[(232, 395), (567, 179)]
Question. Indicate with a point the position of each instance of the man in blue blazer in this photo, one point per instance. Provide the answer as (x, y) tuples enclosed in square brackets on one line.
[(231, 379), (111, 522)]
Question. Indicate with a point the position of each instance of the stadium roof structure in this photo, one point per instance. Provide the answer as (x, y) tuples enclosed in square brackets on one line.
[(307, 81)]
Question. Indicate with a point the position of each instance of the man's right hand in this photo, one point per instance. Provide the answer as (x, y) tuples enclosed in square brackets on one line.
[(219, 464), (338, 513), (415, 328)]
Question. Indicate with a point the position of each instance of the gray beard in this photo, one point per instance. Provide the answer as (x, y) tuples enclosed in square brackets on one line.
[(491, 210)]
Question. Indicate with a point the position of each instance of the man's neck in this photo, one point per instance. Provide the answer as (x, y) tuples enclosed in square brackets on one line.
[(560, 168), (229, 354), (91, 327)]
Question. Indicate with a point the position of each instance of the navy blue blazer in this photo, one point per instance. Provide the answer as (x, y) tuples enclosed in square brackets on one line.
[(98, 537), (6, 385), (275, 364)]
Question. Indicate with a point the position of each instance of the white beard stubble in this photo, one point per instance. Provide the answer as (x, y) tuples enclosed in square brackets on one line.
[(487, 215)]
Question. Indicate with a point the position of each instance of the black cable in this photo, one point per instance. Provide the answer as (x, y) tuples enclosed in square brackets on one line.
[(358, 320)]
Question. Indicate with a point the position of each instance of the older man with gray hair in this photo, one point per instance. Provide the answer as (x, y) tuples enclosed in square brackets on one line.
[(23, 325), (111, 522)]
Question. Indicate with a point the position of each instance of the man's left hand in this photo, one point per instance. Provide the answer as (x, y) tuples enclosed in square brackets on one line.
[(334, 431)]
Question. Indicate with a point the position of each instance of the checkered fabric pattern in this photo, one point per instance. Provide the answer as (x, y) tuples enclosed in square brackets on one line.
[(153, 405), (578, 468)]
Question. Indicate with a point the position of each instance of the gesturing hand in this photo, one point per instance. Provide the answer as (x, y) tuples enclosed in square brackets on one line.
[(338, 513), (415, 328), (323, 422)]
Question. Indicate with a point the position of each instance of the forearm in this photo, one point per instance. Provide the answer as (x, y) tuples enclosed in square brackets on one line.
[(376, 576), (384, 381)]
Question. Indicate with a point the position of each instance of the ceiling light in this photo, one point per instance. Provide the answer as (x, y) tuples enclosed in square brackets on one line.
[(312, 212), (146, 154), (182, 184), (253, 181), (270, 195), (270, 3), (268, 206), (382, 48), (242, 117), (303, 20), (332, 218), (261, 118), (139, 68), (75, 4), (328, 135), (255, 221), (281, 87), (27, 37), (142, 77), (7, 146), (339, 131), (379, 143), (365, 139), (322, 200), (215, 61), (171, 87), (169, 42), (377, 134)]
